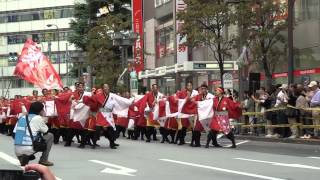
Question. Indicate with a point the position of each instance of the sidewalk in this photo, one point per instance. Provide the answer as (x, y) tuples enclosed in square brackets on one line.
[(282, 140)]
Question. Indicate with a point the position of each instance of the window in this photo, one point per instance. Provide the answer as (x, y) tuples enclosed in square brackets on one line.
[(158, 3), (36, 15), (165, 42), (307, 9)]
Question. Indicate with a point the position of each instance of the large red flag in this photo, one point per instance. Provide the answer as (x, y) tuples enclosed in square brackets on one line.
[(34, 67)]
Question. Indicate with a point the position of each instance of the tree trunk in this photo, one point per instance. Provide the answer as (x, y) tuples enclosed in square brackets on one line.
[(268, 75)]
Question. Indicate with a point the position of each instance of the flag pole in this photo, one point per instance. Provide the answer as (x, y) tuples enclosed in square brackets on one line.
[(7, 92)]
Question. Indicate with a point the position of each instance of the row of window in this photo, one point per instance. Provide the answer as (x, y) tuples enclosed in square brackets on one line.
[(36, 15), (38, 37)]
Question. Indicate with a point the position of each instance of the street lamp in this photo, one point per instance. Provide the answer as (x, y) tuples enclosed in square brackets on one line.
[(58, 31)]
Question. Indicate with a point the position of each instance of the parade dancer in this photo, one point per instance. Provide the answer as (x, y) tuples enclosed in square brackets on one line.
[(222, 106), (185, 121)]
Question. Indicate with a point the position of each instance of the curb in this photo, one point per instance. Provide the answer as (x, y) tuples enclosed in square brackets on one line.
[(281, 140)]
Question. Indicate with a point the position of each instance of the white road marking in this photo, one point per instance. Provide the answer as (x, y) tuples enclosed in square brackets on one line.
[(239, 143), (312, 157), (117, 169), (242, 142), (14, 161), (281, 164), (222, 169)]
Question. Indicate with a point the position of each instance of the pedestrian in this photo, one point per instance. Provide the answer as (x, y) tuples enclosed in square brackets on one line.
[(23, 142), (315, 103)]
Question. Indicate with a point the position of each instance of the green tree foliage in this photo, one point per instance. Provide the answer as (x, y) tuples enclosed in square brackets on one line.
[(264, 23), (205, 22), (93, 35)]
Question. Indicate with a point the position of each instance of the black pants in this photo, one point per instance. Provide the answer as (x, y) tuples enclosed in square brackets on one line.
[(181, 136), (2, 128), (111, 135), (172, 134), (213, 136), (139, 131), (149, 132), (70, 133), (56, 135), (130, 134), (195, 140), (164, 133)]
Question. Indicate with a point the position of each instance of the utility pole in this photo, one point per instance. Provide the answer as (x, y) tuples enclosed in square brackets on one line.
[(290, 41)]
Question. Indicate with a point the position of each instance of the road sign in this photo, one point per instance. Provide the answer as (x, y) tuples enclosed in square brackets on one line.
[(227, 81)]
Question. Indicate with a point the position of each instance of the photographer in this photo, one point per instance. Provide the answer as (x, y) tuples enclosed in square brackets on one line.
[(23, 141)]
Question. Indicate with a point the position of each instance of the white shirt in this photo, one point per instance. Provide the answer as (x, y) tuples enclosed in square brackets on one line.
[(282, 98)]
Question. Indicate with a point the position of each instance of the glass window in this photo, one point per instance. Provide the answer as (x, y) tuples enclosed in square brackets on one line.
[(307, 9), (49, 14), (3, 18), (36, 16), (165, 42)]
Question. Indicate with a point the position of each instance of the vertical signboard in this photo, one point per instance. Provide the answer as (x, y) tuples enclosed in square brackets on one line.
[(138, 29), (182, 49)]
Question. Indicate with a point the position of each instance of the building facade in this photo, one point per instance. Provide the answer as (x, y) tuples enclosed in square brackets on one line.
[(46, 22), (167, 62), (163, 63)]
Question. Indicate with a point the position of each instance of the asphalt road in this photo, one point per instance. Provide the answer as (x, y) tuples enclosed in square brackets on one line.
[(138, 160)]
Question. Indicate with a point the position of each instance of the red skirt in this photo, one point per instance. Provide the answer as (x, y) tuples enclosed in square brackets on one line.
[(64, 120), (101, 120), (54, 122), (198, 126), (122, 121), (91, 123), (141, 121), (172, 123), (185, 122)]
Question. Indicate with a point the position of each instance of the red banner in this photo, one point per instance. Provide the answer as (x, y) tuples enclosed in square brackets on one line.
[(34, 67), (138, 28)]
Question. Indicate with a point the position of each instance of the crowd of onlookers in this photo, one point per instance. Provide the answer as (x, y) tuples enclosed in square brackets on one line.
[(286, 107)]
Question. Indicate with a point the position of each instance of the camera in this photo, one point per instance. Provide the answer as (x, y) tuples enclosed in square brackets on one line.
[(11, 172)]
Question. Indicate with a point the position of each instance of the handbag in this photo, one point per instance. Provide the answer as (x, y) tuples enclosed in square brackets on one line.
[(39, 143)]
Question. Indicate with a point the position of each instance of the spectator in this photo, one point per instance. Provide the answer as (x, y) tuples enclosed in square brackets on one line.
[(281, 102), (304, 116), (23, 143), (249, 106), (292, 113), (315, 103)]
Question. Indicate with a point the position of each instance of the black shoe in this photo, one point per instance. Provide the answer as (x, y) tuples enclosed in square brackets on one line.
[(93, 146), (233, 146), (32, 157), (197, 145), (148, 140), (162, 141), (181, 143), (128, 137), (155, 139), (115, 144), (217, 145), (207, 146), (67, 144), (81, 146), (113, 147)]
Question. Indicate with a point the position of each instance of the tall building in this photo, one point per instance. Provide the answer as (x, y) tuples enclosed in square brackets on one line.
[(46, 22)]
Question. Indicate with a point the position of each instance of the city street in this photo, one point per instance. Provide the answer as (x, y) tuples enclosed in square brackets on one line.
[(141, 160)]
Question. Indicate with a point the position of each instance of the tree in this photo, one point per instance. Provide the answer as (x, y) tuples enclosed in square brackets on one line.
[(93, 35), (264, 21), (205, 22)]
